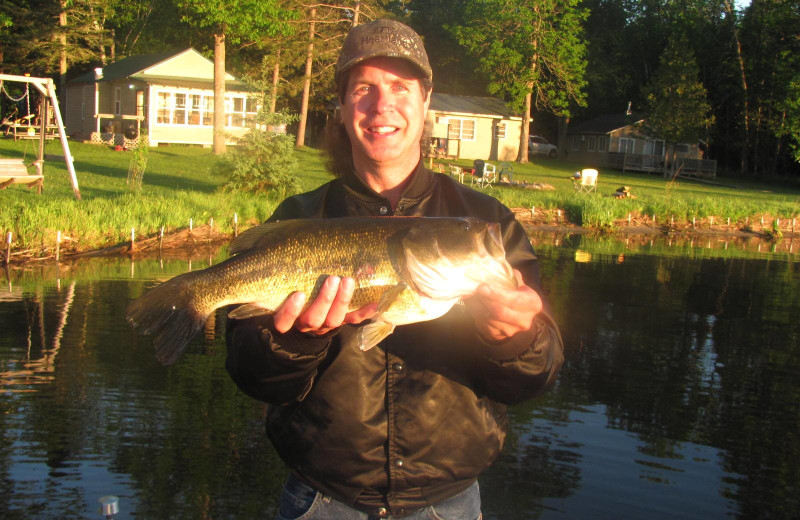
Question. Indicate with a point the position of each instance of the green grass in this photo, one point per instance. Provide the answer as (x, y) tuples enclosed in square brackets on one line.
[(684, 199), (178, 185)]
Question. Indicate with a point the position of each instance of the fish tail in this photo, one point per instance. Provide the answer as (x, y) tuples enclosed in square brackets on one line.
[(168, 312)]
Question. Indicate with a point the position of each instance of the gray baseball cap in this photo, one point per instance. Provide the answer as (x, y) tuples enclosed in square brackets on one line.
[(382, 38)]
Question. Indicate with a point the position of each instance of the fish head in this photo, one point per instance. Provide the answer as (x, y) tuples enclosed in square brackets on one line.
[(449, 258)]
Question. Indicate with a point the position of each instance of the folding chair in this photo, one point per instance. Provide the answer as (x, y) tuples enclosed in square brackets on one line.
[(484, 174), (587, 182), (457, 172), (506, 170)]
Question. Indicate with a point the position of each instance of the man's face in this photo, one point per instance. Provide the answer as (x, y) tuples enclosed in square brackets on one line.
[(383, 110)]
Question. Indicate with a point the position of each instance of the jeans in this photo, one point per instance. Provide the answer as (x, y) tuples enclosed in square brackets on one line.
[(299, 501)]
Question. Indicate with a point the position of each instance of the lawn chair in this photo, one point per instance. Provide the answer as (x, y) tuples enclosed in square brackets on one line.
[(484, 174), (585, 181), (506, 170), (457, 172)]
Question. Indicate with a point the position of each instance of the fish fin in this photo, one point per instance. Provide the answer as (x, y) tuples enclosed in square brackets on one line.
[(427, 278), (249, 310), (390, 296), (264, 234), (373, 333), (167, 312)]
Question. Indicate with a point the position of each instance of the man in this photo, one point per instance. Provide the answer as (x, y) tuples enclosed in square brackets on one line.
[(404, 429)]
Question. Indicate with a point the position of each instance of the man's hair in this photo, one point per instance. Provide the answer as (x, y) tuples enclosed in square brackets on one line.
[(338, 147)]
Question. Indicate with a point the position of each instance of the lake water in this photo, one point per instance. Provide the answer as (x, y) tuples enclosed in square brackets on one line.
[(680, 396)]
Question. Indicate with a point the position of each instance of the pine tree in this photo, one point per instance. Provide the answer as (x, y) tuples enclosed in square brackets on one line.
[(678, 109)]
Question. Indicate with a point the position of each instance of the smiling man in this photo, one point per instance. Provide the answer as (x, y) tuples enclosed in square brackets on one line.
[(404, 429)]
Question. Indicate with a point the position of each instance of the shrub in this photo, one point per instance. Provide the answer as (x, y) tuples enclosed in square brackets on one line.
[(263, 160)]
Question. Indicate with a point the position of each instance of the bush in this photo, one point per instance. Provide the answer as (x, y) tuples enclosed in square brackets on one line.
[(263, 160)]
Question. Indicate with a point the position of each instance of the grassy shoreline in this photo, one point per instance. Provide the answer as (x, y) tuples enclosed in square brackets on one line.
[(179, 186)]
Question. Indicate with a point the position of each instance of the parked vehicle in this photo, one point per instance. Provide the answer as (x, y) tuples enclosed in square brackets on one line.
[(540, 146)]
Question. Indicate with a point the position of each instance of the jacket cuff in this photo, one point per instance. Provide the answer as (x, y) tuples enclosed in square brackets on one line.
[(512, 347), (296, 342)]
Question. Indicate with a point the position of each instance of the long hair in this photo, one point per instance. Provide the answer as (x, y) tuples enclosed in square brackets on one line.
[(338, 147)]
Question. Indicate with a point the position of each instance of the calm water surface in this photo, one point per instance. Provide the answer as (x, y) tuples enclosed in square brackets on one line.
[(680, 397)]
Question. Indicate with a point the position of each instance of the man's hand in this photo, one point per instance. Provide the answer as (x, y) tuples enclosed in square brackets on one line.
[(500, 313), (328, 310)]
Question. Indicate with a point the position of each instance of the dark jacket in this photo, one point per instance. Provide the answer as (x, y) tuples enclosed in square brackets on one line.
[(417, 418)]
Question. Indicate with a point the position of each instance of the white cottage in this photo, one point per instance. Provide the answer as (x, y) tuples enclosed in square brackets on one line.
[(169, 95)]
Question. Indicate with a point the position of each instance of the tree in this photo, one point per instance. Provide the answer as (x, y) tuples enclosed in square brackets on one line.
[(327, 25), (532, 52), (234, 20), (678, 109)]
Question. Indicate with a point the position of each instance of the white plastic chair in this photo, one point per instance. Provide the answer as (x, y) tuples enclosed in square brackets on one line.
[(587, 182)]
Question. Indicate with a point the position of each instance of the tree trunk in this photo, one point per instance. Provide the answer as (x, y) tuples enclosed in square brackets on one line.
[(301, 130), (522, 158), (563, 128), (62, 39), (276, 74), (745, 108), (219, 93), (112, 46), (356, 13)]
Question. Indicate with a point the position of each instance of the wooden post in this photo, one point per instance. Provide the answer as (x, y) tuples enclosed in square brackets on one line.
[(235, 224), (133, 239), (58, 245), (161, 238), (8, 248)]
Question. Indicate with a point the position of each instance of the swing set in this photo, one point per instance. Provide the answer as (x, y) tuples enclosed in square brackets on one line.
[(14, 171)]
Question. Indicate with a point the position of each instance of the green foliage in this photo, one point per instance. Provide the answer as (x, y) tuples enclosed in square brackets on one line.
[(263, 160), (239, 20), (138, 163), (790, 109), (678, 109), (528, 48)]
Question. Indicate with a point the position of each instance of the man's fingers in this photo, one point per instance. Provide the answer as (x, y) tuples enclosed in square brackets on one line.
[(364, 313), (340, 304), (314, 317), (288, 312)]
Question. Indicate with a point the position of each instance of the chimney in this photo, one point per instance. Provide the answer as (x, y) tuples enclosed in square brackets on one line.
[(98, 73)]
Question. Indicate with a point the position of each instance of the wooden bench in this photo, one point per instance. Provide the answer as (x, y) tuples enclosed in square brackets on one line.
[(14, 171)]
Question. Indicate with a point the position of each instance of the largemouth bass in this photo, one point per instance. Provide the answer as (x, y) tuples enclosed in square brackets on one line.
[(414, 268)]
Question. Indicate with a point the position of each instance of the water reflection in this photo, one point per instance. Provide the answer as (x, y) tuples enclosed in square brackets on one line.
[(678, 399)]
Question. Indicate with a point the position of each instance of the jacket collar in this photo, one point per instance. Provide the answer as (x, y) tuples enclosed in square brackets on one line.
[(420, 187)]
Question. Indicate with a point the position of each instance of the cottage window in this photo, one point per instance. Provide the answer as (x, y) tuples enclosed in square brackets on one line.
[(592, 146), (500, 131), (682, 148), (164, 108), (117, 101), (576, 143), (179, 115), (654, 147), (190, 108), (463, 129), (208, 110), (627, 145), (602, 144), (195, 109), (251, 109)]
